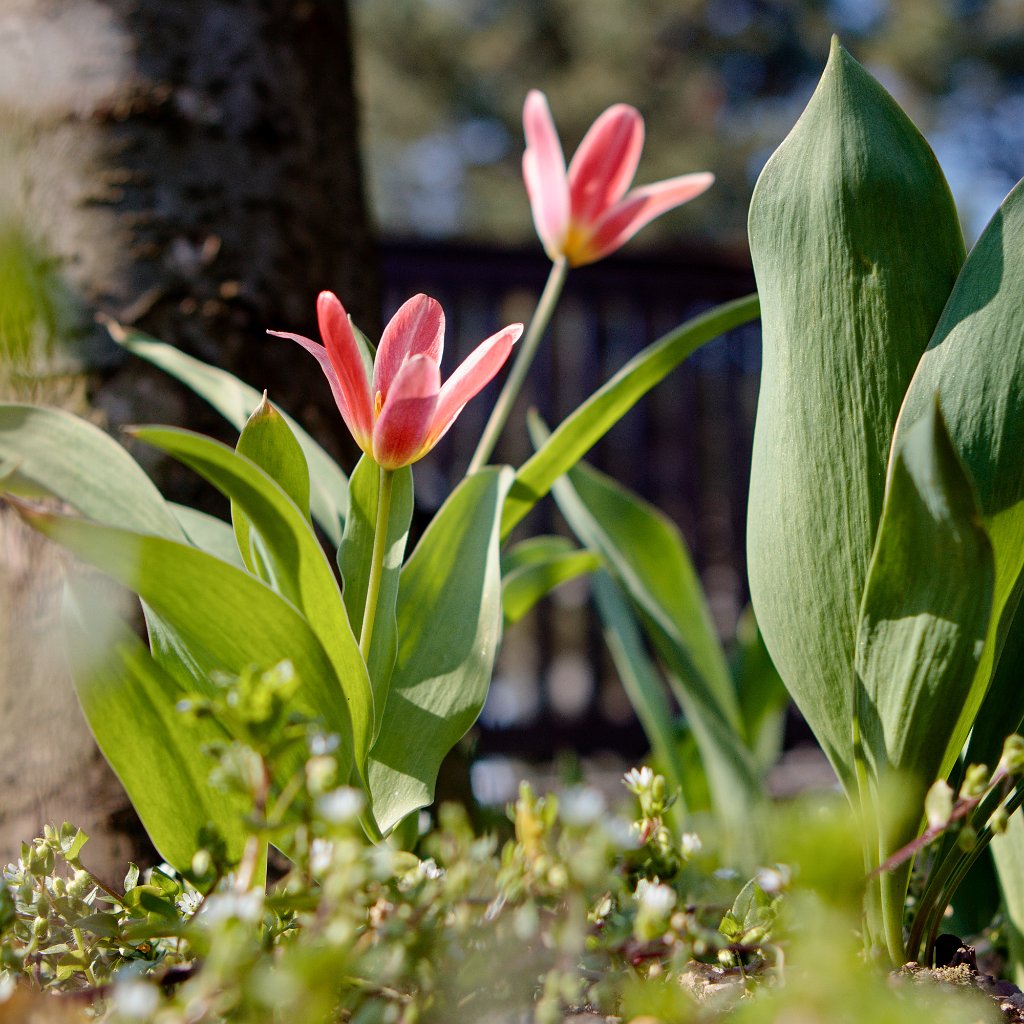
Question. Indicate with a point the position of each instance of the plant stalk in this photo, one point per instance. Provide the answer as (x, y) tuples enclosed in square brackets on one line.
[(521, 365), (380, 538)]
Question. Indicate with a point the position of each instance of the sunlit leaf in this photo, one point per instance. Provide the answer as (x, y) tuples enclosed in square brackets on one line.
[(856, 245), (235, 401), (354, 557), (300, 570), (449, 627)]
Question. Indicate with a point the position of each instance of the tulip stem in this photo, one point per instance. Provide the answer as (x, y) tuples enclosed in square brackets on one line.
[(380, 536), (521, 366)]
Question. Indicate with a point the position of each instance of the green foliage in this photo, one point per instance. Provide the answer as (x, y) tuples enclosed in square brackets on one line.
[(354, 562), (856, 246), (449, 627), (920, 634), (235, 401), (584, 908), (647, 558)]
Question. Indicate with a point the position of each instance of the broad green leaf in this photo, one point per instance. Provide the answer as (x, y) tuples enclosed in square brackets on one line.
[(300, 570), (154, 749), (235, 401), (856, 245), (354, 557), (975, 364), (56, 454), (449, 627), (267, 440), (640, 679), (582, 429), (208, 533), (923, 619), (522, 588), (647, 556), (228, 619)]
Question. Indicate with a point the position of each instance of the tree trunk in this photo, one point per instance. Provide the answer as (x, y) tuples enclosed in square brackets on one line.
[(190, 168)]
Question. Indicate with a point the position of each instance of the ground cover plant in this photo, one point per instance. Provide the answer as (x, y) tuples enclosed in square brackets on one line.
[(274, 707)]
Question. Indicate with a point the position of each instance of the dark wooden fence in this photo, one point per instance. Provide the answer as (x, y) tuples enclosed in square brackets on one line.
[(686, 448)]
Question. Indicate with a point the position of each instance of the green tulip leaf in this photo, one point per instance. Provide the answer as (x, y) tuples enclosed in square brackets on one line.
[(522, 588), (52, 453), (235, 401), (641, 680), (582, 429), (647, 556), (923, 619), (856, 246), (449, 628), (267, 440), (355, 556), (226, 619), (300, 570), (155, 750), (975, 364)]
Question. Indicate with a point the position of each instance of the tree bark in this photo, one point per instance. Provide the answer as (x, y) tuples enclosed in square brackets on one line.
[(189, 167)]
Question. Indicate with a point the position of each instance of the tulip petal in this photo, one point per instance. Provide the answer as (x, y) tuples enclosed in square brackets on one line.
[(401, 430), (416, 329), (639, 207), (544, 174), (320, 353), (343, 352), (605, 162), (470, 378)]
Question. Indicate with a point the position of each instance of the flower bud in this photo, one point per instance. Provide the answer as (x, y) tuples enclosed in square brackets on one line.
[(1012, 759)]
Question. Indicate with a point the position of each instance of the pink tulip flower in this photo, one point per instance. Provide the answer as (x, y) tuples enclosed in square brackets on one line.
[(586, 214), (398, 418)]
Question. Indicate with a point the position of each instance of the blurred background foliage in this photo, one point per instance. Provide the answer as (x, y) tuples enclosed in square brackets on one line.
[(720, 83)]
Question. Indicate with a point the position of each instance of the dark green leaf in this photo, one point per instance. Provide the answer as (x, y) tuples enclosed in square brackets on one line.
[(975, 364), (923, 621)]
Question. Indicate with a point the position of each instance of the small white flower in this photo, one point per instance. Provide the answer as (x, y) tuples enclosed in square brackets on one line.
[(188, 902), (135, 1000), (636, 780), (341, 806), (655, 898), (7, 985), (429, 869), (726, 874), (581, 806), (691, 845)]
